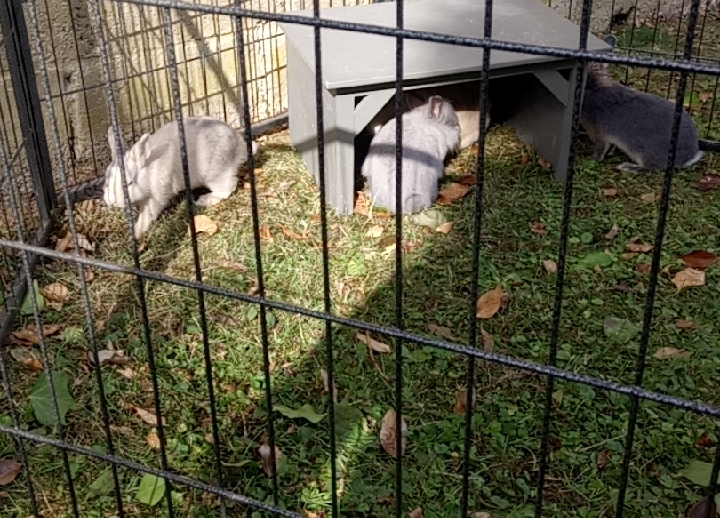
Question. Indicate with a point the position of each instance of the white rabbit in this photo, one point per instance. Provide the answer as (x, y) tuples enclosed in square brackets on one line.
[(430, 132), (154, 171)]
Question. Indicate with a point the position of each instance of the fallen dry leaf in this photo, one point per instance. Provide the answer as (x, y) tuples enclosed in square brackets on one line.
[(326, 384), (445, 227), (525, 158), (670, 352), (126, 373), (204, 224), (255, 288), (644, 268), (603, 458), (538, 228), (628, 255), (291, 233), (153, 440), (229, 265), (66, 244), (468, 180), (267, 458), (30, 336), (225, 320), (634, 246), (27, 357), (544, 164), (147, 416), (444, 332), (388, 434), (375, 231), (373, 344), (650, 197), (686, 324), (704, 441), (707, 182), (362, 206), (56, 292), (550, 266), (9, 470), (689, 278), (416, 513), (488, 342), (265, 233), (699, 259), (454, 192), (611, 192), (613, 232), (461, 401), (89, 275), (489, 303), (109, 357)]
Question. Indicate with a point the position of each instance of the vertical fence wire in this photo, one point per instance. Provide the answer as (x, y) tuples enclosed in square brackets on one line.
[(327, 305), (258, 253), (579, 74), (655, 266), (184, 159), (139, 281), (477, 254)]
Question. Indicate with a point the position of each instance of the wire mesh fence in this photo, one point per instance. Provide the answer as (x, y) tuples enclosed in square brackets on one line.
[(204, 58)]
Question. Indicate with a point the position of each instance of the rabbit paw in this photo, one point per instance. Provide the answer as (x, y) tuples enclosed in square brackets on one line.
[(629, 167), (212, 198)]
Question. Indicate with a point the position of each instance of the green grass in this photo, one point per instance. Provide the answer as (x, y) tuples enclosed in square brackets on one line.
[(589, 425)]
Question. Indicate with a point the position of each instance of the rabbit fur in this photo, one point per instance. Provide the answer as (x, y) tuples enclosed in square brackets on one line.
[(154, 172), (430, 132), (464, 98), (637, 123)]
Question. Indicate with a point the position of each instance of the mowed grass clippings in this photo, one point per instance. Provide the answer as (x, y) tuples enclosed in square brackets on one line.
[(605, 292)]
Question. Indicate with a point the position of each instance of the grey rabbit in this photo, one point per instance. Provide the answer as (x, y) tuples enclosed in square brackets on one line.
[(154, 171), (637, 123), (465, 100), (430, 132)]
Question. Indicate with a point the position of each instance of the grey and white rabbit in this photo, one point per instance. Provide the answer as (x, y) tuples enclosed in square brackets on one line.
[(637, 123), (465, 100), (154, 171), (430, 132)]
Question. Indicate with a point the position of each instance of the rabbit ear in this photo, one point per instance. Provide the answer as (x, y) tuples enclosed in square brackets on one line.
[(142, 148), (436, 105)]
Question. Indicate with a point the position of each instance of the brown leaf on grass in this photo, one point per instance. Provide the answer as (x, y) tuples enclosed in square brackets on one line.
[(689, 278), (89, 275), (643, 268), (634, 246), (445, 227), (27, 357), (56, 292), (489, 303), (544, 164), (292, 234), (628, 255), (441, 331), (613, 232), (704, 441), (700, 510), (650, 197), (126, 373), (416, 513), (550, 266), (109, 357), (454, 192), (388, 434), (9, 470), (538, 228), (611, 192), (265, 233), (255, 288), (686, 324), (707, 182), (670, 352), (699, 259), (375, 231), (153, 440), (204, 225), (362, 206), (603, 458), (467, 180), (229, 265), (66, 244), (147, 416), (525, 158), (488, 341), (461, 400), (373, 344), (225, 320), (326, 384), (209, 438), (267, 459), (30, 336)]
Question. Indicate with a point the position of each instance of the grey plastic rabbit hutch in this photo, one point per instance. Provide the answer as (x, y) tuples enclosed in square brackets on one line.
[(359, 76)]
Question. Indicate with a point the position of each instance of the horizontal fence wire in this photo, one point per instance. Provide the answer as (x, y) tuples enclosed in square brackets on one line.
[(580, 56)]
